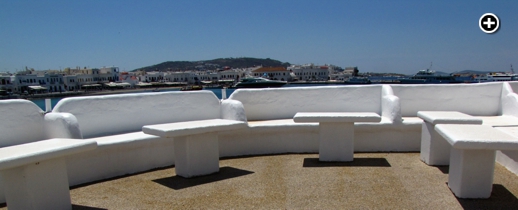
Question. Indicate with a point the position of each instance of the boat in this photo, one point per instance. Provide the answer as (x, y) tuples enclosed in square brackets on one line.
[(358, 80), (496, 77), (191, 87), (259, 82), (429, 77)]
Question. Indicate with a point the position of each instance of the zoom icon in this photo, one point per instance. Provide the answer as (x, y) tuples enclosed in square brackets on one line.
[(489, 23)]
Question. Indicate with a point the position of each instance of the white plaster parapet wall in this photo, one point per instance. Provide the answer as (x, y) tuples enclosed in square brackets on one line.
[(124, 113), (474, 99)]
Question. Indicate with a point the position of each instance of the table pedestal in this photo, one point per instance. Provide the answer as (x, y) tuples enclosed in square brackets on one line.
[(42, 185), (196, 155), (336, 141), (471, 173), (435, 150)]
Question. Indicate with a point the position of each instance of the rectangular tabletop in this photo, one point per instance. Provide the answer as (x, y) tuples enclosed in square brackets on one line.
[(23, 154), (476, 137), (336, 117), (177, 129), (448, 117)]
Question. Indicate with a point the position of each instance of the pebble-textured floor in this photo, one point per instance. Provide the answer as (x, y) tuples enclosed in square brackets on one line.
[(297, 181)]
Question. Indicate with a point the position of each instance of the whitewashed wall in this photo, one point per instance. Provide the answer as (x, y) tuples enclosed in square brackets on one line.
[(284, 103), (474, 99), (22, 122), (116, 114)]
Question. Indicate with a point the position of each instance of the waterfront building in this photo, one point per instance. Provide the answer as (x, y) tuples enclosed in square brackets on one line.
[(273, 73), (88, 78), (311, 72)]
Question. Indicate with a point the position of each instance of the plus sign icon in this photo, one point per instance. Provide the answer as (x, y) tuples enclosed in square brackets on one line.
[(489, 23)]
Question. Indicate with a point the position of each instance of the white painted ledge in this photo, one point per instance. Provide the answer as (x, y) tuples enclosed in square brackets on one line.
[(337, 117), (33, 152), (169, 130), (477, 137), (448, 117)]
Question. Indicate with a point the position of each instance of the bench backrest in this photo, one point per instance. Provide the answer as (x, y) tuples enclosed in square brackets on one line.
[(474, 99), (22, 122), (284, 103), (116, 114)]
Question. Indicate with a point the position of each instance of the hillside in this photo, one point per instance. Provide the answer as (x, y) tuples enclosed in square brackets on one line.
[(214, 64)]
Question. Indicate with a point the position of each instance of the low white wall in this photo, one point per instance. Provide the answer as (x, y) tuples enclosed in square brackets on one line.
[(514, 85), (22, 122), (474, 99), (116, 114), (284, 103)]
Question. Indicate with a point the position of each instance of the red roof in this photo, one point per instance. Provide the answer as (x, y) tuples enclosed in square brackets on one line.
[(267, 69)]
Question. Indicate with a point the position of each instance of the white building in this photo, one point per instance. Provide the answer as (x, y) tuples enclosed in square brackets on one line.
[(273, 73), (310, 72)]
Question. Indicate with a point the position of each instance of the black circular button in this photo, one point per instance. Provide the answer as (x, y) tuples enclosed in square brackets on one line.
[(489, 23)]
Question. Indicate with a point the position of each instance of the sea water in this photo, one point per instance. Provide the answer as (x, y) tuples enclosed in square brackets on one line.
[(53, 101)]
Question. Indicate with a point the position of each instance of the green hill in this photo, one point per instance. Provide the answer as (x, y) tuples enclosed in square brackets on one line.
[(219, 63)]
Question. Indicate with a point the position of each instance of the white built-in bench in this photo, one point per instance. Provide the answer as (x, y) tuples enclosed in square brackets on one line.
[(115, 122), (35, 174), (270, 113), (472, 159), (196, 147)]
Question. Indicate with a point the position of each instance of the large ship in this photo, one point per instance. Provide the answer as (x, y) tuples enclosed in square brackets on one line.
[(497, 76), (429, 77)]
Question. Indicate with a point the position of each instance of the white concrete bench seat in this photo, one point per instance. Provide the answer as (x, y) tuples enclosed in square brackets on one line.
[(336, 142), (270, 112), (196, 143), (472, 158), (35, 174), (115, 123), (434, 149)]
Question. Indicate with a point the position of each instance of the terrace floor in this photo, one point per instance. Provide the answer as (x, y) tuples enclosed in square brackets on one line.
[(296, 181)]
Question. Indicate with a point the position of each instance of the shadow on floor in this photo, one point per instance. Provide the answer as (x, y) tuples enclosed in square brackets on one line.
[(357, 162), (79, 207), (500, 198), (3, 205), (178, 182), (443, 169)]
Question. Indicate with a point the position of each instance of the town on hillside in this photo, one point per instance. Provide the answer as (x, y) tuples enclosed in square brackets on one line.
[(77, 81)]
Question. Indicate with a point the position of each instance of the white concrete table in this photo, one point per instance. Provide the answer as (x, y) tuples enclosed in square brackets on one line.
[(336, 132), (196, 149), (472, 160), (434, 149), (35, 174)]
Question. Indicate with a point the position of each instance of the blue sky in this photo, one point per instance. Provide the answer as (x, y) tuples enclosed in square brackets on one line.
[(376, 36)]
